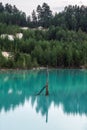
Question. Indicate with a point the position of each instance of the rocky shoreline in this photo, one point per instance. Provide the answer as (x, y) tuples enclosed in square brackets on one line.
[(43, 68)]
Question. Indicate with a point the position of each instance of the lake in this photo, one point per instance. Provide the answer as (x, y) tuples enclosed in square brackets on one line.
[(64, 109)]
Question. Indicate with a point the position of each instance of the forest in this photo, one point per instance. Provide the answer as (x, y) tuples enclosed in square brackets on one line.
[(62, 41)]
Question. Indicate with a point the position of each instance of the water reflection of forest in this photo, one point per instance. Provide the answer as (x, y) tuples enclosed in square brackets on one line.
[(66, 87)]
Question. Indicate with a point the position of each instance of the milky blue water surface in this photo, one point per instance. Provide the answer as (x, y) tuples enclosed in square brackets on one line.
[(64, 109)]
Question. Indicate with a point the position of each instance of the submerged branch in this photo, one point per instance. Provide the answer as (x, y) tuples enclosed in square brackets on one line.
[(41, 90)]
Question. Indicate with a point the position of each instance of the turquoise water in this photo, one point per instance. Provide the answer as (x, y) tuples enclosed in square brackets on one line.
[(64, 109)]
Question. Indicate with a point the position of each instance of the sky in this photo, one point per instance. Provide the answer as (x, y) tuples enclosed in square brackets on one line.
[(56, 5)]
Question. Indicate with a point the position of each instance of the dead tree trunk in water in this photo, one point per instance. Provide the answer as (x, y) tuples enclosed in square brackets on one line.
[(41, 90), (46, 86), (47, 91)]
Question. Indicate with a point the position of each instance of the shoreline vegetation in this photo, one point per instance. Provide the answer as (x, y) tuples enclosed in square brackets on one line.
[(59, 40), (42, 68)]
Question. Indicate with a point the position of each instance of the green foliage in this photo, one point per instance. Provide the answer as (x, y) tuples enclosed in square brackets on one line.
[(44, 15), (57, 47), (22, 61), (63, 44), (11, 15), (10, 29), (72, 18)]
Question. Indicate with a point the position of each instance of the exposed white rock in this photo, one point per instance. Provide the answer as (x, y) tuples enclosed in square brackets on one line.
[(10, 37), (4, 36), (24, 28), (19, 35), (40, 28), (5, 54)]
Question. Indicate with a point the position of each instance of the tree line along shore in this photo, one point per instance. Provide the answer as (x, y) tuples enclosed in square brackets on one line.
[(58, 40)]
